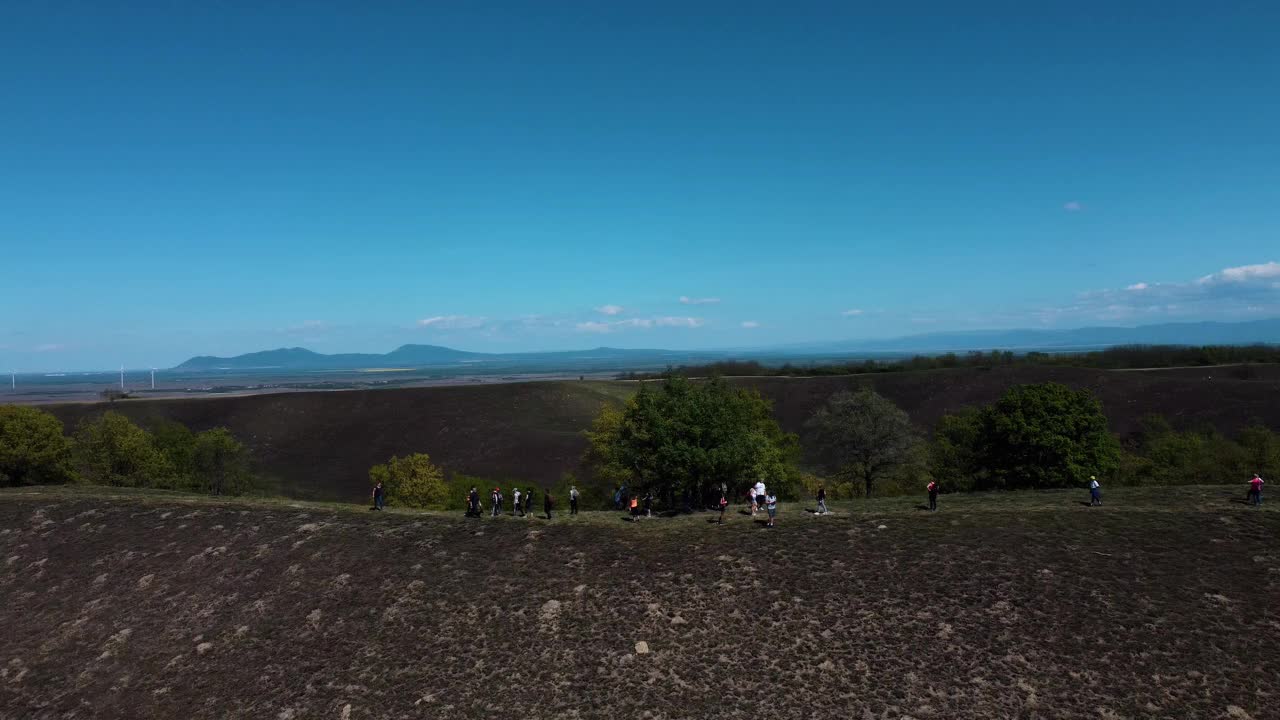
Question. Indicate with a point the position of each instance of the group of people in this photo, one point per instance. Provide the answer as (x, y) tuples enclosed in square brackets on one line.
[(522, 503), (757, 495)]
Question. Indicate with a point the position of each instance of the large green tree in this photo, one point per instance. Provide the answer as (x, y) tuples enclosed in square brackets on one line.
[(411, 481), (687, 438), (111, 450), (1044, 436), (862, 436), (33, 448)]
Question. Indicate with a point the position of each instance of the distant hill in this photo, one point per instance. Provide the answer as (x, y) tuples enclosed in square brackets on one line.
[(1196, 333), (426, 356), (605, 358)]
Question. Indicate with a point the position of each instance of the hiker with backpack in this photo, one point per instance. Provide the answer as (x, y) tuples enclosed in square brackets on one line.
[(932, 487)]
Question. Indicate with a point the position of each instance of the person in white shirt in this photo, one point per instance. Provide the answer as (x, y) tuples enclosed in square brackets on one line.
[(517, 508), (1095, 492), (573, 500), (771, 504), (759, 496)]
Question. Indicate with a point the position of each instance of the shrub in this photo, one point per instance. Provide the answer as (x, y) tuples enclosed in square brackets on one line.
[(411, 481)]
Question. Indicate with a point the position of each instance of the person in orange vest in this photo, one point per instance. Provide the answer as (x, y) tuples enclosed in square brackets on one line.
[(635, 507), (932, 487)]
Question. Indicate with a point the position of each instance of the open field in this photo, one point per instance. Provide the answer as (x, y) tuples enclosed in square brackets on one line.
[(1018, 605), (320, 445)]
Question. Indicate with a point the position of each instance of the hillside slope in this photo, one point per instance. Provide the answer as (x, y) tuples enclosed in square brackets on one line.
[(1019, 605), (321, 445)]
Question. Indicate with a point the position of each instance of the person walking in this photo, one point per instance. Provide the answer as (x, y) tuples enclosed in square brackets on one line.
[(751, 498), (771, 504), (761, 496), (1255, 490), (547, 503), (379, 496), (516, 507), (724, 505), (529, 507), (822, 499), (648, 504), (1095, 492), (573, 499), (495, 499), (473, 502), (932, 487)]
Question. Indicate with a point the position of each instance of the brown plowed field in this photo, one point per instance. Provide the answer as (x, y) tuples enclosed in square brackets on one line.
[(320, 445), (1022, 605)]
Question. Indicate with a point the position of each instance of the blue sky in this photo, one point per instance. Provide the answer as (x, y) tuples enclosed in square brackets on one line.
[(222, 179)]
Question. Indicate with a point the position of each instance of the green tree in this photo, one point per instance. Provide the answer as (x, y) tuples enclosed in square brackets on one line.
[(33, 448), (1044, 436), (862, 436), (687, 438), (178, 444), (111, 450), (411, 481), (953, 455), (220, 463)]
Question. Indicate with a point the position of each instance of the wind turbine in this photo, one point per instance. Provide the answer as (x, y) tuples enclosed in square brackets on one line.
[(153, 378), (121, 378)]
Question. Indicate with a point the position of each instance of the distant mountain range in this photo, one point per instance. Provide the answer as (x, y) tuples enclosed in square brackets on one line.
[(603, 358), (1192, 333)]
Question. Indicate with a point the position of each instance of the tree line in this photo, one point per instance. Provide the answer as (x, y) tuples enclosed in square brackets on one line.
[(687, 440), (1129, 357), (110, 449)]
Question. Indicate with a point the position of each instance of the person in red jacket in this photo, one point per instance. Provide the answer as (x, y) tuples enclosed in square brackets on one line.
[(1255, 490), (932, 487)]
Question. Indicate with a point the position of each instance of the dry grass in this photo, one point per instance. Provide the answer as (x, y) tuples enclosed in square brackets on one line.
[(1024, 605)]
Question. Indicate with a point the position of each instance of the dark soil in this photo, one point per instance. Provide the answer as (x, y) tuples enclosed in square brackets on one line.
[(1002, 606), (321, 445)]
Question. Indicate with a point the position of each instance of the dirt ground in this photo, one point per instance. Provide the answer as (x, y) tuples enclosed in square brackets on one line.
[(1018, 605)]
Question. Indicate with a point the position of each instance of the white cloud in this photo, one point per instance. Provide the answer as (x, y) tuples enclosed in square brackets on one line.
[(750, 324), (686, 300), (639, 323), (1073, 206), (852, 313), (1219, 295), (451, 322), (1243, 274), (610, 309)]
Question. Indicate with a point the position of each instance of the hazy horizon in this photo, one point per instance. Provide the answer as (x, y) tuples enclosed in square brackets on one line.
[(189, 180)]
